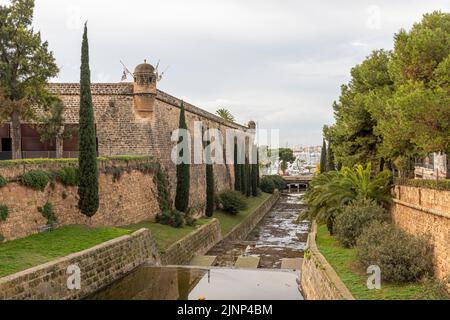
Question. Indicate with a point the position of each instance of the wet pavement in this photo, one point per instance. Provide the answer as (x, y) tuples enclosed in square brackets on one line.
[(179, 283), (277, 236)]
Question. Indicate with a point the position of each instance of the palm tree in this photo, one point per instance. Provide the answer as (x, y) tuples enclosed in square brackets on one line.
[(333, 190), (225, 114)]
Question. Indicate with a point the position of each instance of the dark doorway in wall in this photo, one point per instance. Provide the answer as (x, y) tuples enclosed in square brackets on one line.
[(6, 149)]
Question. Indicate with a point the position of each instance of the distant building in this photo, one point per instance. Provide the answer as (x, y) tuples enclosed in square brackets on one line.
[(434, 166)]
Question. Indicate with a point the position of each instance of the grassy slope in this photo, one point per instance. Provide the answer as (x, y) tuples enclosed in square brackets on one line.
[(37, 249), (344, 263), (34, 250)]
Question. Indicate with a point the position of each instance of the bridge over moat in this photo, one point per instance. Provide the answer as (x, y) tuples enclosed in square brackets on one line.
[(298, 182)]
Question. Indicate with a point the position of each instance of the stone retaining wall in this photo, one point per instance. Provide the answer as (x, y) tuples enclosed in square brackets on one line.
[(319, 281), (99, 267), (426, 212), (128, 200), (243, 229), (196, 243)]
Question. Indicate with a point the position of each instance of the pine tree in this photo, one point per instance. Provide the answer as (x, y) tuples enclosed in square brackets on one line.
[(323, 158), (209, 185), (183, 171), (88, 171)]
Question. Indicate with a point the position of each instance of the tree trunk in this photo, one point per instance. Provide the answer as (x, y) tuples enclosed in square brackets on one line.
[(60, 144), (16, 136)]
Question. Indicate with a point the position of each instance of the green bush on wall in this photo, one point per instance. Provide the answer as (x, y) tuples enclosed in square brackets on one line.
[(267, 185), (3, 181), (4, 212), (68, 176), (36, 179), (48, 212)]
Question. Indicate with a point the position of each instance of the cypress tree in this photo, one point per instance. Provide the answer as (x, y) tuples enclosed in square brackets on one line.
[(87, 162), (243, 178), (183, 171), (237, 171), (254, 167), (209, 186), (248, 177), (323, 158), (330, 159), (258, 174)]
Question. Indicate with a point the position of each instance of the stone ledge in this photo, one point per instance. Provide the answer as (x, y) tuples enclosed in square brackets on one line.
[(319, 281), (423, 209)]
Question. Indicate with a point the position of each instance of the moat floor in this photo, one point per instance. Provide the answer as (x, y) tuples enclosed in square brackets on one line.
[(276, 237)]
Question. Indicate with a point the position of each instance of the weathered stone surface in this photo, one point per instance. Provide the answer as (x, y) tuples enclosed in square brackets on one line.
[(250, 262), (292, 264), (129, 200), (203, 261), (196, 243), (99, 266), (426, 212), (319, 281)]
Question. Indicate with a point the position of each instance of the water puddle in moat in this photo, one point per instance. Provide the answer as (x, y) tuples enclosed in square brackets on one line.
[(277, 236), (172, 283)]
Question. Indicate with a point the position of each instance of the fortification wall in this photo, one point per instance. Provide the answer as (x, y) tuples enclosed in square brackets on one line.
[(128, 200), (426, 212)]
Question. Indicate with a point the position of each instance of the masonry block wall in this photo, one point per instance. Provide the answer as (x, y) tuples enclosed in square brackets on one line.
[(121, 130), (426, 212), (129, 200), (99, 266)]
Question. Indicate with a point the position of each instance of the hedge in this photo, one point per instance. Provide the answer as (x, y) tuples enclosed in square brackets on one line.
[(443, 185)]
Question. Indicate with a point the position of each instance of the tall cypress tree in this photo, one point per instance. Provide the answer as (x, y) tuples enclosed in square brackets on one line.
[(254, 179), (258, 174), (237, 169), (183, 171), (323, 158), (88, 171), (330, 158), (248, 178), (209, 185), (243, 179)]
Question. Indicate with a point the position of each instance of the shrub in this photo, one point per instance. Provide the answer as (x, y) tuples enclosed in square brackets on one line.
[(267, 185), (3, 181), (2, 238), (4, 212), (68, 176), (36, 179), (354, 218), (401, 257), (48, 212), (279, 182), (172, 218), (422, 183), (232, 201)]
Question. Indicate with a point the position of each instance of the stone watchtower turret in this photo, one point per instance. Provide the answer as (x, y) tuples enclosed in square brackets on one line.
[(144, 91)]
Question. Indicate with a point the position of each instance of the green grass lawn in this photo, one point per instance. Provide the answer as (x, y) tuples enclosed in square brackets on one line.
[(345, 264), (166, 235), (21, 254), (228, 221)]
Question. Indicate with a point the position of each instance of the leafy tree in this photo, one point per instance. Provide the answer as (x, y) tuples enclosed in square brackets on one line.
[(225, 114), (26, 65), (323, 158), (88, 172), (51, 129), (183, 171), (353, 137)]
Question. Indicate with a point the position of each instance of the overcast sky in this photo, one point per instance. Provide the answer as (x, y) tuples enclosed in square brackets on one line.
[(280, 63)]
